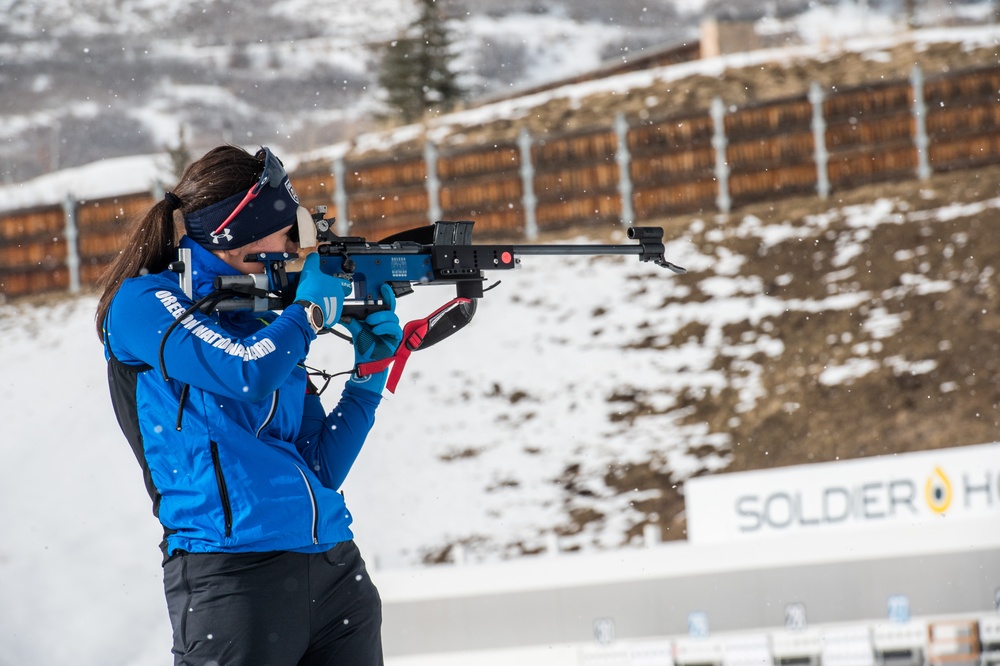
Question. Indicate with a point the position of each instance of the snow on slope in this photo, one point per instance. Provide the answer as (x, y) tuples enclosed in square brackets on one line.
[(466, 451), (98, 17), (140, 173)]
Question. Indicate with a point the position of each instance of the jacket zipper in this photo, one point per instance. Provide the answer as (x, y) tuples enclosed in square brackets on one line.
[(270, 414), (315, 509), (227, 510)]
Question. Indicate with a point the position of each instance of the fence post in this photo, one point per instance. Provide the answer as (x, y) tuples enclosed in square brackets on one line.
[(528, 198), (719, 142), (624, 159), (820, 154), (920, 123), (340, 196), (72, 253), (433, 182)]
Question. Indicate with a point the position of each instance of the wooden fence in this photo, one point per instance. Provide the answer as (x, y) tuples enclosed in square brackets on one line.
[(818, 143)]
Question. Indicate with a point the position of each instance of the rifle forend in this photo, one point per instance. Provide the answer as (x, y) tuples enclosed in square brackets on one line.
[(443, 253)]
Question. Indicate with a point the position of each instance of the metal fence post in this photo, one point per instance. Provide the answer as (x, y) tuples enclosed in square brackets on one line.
[(920, 139), (820, 154), (72, 251), (719, 142), (433, 183), (528, 198), (340, 196), (624, 159)]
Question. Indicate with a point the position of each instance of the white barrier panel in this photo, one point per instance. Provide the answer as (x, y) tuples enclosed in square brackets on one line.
[(629, 653), (543, 655), (926, 487), (848, 646), (747, 650), (989, 636), (641, 652), (900, 644), (701, 651), (923, 642), (799, 646)]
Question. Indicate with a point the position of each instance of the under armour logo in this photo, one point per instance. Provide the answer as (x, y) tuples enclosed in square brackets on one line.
[(225, 234)]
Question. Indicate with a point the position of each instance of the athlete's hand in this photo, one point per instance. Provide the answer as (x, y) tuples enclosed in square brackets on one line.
[(326, 291), (378, 336)]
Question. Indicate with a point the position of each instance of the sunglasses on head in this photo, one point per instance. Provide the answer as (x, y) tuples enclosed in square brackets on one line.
[(273, 174)]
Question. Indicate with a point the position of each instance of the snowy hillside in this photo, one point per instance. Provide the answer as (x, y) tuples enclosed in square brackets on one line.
[(763, 74), (570, 412), (83, 80)]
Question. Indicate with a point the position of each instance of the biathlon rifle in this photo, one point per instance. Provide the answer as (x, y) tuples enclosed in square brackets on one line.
[(441, 253)]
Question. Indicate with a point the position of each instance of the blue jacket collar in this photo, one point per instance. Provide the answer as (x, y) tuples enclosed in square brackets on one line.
[(205, 267)]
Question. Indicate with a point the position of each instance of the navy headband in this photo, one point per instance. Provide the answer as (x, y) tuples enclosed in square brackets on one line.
[(259, 211)]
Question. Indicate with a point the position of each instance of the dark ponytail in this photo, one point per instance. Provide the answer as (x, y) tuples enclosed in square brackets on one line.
[(151, 240)]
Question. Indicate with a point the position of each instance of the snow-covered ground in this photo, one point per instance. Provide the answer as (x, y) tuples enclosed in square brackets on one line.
[(467, 450), (79, 556)]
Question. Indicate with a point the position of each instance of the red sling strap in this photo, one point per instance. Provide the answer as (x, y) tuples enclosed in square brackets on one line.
[(430, 330)]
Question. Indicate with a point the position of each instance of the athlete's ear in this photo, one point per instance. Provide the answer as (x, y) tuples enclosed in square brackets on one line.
[(229, 255)]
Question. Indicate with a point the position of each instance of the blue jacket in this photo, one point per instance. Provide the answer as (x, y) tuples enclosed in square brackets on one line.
[(244, 458)]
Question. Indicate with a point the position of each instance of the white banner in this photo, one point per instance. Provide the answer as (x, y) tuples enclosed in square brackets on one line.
[(956, 484)]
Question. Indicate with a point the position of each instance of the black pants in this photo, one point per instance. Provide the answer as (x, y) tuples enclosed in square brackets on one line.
[(273, 609)]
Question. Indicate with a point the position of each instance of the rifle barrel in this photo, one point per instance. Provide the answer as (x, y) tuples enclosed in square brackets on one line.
[(648, 251), (539, 250)]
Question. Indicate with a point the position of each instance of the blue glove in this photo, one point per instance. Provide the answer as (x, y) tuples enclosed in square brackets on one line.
[(326, 291), (376, 338)]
